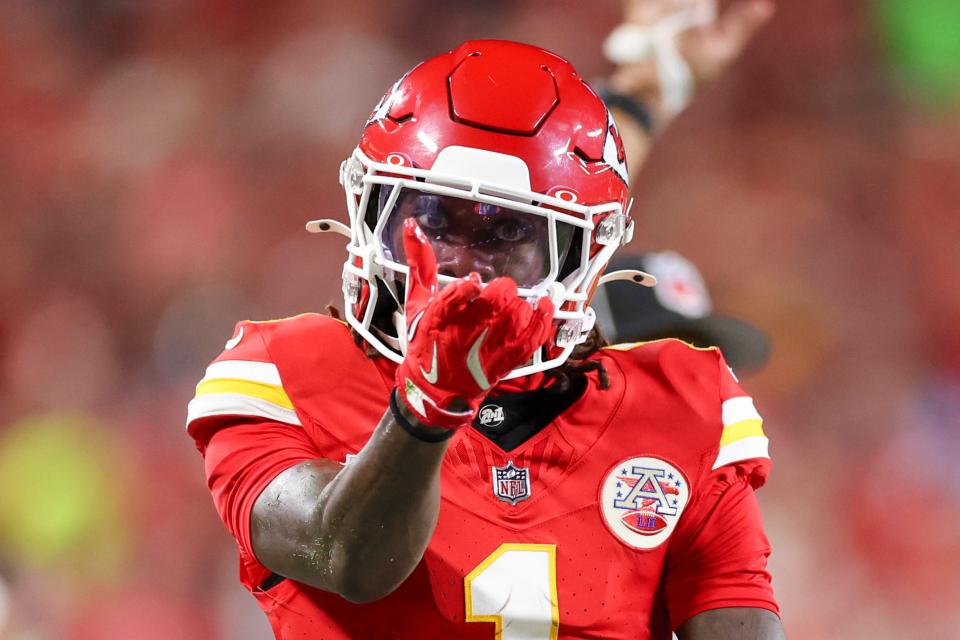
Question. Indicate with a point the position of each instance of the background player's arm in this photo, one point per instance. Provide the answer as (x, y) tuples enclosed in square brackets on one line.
[(708, 50), (356, 530), (734, 623)]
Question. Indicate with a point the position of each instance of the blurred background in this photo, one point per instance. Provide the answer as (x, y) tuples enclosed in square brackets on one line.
[(157, 163)]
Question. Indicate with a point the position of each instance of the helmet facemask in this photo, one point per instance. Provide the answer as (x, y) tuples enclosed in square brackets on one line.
[(542, 242)]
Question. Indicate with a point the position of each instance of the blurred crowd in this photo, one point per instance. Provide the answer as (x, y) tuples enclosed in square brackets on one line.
[(158, 161)]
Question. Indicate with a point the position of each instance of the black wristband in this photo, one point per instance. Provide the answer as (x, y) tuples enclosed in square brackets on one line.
[(418, 432), (629, 105)]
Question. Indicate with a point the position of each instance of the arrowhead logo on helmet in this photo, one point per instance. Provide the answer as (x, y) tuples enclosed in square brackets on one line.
[(613, 151)]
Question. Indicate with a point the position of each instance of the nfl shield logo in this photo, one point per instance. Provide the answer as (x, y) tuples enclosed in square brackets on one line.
[(510, 483)]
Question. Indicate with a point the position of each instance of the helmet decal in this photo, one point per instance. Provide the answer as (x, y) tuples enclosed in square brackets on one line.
[(613, 151), (392, 96)]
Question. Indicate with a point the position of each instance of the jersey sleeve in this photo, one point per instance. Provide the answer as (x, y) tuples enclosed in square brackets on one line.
[(240, 462), (743, 443), (242, 384), (245, 426), (718, 555)]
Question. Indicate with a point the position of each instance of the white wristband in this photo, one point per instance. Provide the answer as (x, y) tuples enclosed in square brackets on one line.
[(630, 43)]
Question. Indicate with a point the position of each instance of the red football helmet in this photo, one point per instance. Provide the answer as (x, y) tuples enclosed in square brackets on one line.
[(512, 166)]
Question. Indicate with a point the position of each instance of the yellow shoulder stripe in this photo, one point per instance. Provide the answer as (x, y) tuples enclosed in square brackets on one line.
[(269, 392), (741, 430)]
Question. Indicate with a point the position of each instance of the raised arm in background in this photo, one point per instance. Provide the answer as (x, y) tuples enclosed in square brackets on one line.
[(707, 50)]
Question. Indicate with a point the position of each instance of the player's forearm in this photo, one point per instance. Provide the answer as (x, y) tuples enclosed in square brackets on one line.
[(734, 623), (638, 84), (380, 511), (357, 530)]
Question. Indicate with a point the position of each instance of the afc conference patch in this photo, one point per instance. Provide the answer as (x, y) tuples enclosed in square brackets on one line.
[(511, 483), (641, 500)]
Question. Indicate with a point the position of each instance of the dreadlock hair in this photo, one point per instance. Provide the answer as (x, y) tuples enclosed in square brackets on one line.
[(579, 364), (358, 340)]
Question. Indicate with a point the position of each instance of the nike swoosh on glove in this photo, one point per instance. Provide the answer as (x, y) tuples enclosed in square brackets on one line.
[(463, 339)]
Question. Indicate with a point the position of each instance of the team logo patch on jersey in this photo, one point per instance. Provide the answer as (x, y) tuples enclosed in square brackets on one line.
[(641, 500), (491, 415), (511, 483)]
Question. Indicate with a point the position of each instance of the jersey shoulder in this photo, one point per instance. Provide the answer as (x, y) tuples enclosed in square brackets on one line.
[(257, 373), (728, 427), (667, 354)]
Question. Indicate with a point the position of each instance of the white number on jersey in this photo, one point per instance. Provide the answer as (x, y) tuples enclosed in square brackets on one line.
[(515, 587)]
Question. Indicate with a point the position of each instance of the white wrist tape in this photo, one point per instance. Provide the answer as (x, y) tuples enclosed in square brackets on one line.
[(631, 43)]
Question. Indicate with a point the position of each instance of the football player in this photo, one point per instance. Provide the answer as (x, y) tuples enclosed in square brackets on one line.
[(458, 458)]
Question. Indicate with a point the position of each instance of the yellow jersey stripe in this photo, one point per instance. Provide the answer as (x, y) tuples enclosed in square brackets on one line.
[(741, 430), (269, 392)]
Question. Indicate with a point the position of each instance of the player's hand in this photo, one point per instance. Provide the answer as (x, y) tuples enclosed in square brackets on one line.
[(461, 340), (707, 49), (712, 48)]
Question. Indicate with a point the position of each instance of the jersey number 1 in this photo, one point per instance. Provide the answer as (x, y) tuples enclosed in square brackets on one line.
[(515, 588)]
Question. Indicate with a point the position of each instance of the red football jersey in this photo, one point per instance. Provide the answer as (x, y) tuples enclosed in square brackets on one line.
[(628, 514)]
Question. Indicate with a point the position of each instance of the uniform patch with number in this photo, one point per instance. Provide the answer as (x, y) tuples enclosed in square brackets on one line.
[(491, 415), (641, 500)]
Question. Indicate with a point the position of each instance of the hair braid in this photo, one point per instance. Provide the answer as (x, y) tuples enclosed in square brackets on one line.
[(578, 364)]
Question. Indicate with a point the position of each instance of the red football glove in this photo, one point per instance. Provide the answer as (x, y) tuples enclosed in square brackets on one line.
[(461, 340)]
